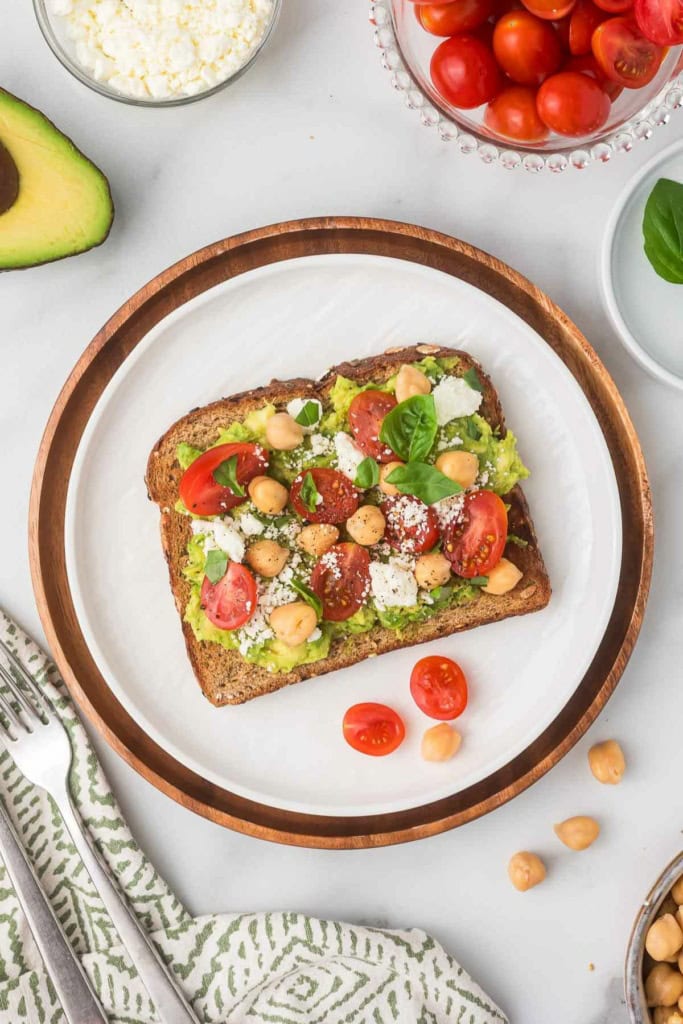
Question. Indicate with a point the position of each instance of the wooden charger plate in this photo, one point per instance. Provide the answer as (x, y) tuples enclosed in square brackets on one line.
[(114, 343)]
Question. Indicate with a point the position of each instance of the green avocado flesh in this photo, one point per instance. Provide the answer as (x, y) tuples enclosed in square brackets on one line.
[(62, 205), (471, 433)]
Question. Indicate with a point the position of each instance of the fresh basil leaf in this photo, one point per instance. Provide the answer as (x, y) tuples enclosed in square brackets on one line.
[(472, 378), (216, 565), (308, 596), (512, 538), (663, 230), (308, 414), (186, 454), (410, 428), (478, 581), (309, 493), (367, 474), (424, 481), (226, 475)]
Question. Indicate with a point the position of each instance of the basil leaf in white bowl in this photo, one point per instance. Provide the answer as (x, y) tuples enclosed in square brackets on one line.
[(663, 230)]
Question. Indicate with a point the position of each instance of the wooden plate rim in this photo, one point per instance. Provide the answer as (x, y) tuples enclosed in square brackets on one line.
[(111, 346)]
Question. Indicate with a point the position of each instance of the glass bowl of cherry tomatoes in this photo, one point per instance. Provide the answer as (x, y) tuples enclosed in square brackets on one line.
[(536, 83)]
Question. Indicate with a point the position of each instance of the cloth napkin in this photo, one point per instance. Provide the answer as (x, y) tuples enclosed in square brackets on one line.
[(279, 968)]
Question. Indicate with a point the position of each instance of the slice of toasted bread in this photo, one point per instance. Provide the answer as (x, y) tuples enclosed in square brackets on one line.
[(224, 676)]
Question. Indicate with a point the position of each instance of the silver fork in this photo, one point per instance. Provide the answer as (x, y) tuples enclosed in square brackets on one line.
[(41, 750)]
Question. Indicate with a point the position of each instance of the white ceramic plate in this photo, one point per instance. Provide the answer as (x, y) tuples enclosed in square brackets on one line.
[(646, 311), (286, 750)]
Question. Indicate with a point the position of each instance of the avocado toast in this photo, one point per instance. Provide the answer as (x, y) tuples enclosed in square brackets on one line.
[(357, 593)]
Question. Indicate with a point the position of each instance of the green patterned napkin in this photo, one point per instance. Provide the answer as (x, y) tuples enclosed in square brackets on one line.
[(280, 968)]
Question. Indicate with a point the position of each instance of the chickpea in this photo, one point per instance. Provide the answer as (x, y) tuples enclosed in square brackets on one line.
[(268, 495), (502, 578), (463, 467), (667, 1015), (432, 571), (680, 1001), (293, 623), (677, 892), (283, 432), (578, 833), (384, 472), (663, 986), (266, 557), (411, 381), (318, 538), (664, 939), (667, 907), (366, 525), (526, 870), (441, 742), (607, 762), (680, 967)]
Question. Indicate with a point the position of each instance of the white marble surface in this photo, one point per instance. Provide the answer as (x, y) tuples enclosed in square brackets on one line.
[(314, 128)]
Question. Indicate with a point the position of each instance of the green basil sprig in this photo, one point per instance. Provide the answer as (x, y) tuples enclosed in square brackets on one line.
[(308, 414), (225, 474), (216, 565), (410, 428), (367, 474), (423, 481), (663, 230), (309, 492), (472, 378), (307, 595)]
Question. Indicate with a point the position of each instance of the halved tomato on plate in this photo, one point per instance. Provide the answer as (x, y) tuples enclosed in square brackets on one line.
[(373, 729), (438, 687), (203, 495)]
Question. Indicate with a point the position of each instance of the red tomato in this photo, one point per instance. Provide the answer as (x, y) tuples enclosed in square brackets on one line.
[(572, 103), (526, 48), (366, 413), (513, 115), (588, 65), (474, 542), (232, 601), (199, 491), (339, 496), (341, 579), (439, 688), (464, 72), (661, 20), (452, 18), (549, 10), (373, 729), (615, 6), (624, 54), (583, 21), (412, 526), (562, 29)]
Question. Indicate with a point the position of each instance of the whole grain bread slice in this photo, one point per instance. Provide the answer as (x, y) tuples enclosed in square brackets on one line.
[(224, 676)]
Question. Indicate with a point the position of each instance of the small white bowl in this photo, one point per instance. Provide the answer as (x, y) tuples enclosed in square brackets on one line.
[(647, 312)]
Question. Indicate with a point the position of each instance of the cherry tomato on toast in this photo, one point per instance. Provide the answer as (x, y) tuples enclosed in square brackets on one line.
[(203, 495), (339, 497), (572, 103), (373, 729), (526, 48), (660, 20), (512, 114), (231, 602), (341, 579), (452, 18), (411, 526), (465, 73), (439, 688), (624, 54), (474, 542), (366, 412)]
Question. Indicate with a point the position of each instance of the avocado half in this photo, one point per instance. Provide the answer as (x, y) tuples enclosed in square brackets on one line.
[(54, 202)]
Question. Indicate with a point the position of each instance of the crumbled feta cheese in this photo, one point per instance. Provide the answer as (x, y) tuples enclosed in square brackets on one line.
[(296, 405), (315, 635), (392, 585), (321, 445), (449, 510), (445, 443), (408, 521), (250, 525), (453, 397), (253, 633), (349, 455), (221, 533)]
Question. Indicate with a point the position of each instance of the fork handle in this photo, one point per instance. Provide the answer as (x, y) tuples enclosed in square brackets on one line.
[(171, 1005), (77, 999)]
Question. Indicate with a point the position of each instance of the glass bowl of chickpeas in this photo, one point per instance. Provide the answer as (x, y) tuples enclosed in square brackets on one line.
[(654, 961), (538, 84)]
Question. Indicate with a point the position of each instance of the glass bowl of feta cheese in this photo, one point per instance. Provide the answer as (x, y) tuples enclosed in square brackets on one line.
[(157, 53)]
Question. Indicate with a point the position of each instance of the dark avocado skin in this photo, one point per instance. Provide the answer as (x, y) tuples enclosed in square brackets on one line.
[(50, 127)]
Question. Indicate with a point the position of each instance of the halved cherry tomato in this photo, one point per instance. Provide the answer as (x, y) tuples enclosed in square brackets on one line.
[(615, 6), (341, 579), (572, 103), (464, 72), (513, 115), (583, 21), (366, 413), (373, 729), (339, 496), (588, 65), (526, 48), (660, 20), (549, 10), (452, 18), (411, 526), (232, 601), (624, 54), (475, 542), (439, 688), (199, 491)]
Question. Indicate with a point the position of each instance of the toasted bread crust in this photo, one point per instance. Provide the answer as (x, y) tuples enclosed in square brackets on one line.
[(224, 676)]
